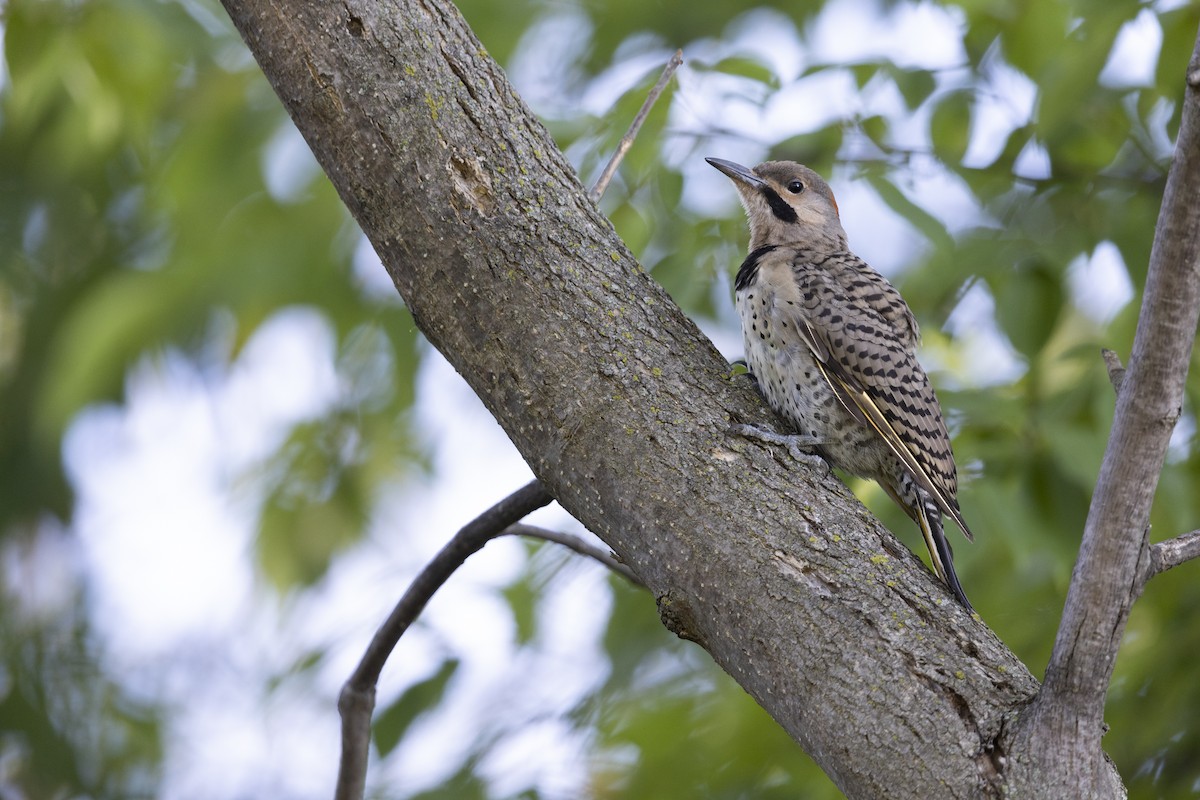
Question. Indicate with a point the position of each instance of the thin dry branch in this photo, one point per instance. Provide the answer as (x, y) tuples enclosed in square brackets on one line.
[(357, 700), (577, 544), (627, 140)]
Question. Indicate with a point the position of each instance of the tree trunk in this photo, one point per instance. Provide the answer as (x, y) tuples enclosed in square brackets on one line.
[(621, 406)]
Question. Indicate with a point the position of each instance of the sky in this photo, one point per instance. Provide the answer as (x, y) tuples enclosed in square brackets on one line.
[(162, 481)]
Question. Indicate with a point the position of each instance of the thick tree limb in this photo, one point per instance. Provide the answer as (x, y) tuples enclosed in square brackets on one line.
[(1114, 553), (621, 407), (357, 701)]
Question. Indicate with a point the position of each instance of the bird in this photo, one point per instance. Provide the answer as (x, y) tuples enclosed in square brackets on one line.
[(832, 345)]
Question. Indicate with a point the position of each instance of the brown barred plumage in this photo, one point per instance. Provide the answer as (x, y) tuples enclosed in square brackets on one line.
[(833, 348)]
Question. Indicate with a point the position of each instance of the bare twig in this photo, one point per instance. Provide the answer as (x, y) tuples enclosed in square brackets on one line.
[(1116, 372), (357, 699), (1174, 552), (631, 134), (578, 545)]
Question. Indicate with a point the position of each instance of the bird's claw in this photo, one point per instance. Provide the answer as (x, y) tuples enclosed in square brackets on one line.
[(794, 442)]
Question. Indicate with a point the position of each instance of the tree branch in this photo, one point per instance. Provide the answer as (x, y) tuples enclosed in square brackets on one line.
[(622, 408), (1116, 372), (578, 545), (357, 700), (635, 126), (1061, 730), (1173, 552)]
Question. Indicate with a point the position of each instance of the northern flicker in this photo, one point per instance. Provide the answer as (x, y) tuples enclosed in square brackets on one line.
[(832, 346)]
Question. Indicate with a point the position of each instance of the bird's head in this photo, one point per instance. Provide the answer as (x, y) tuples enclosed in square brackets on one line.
[(786, 203)]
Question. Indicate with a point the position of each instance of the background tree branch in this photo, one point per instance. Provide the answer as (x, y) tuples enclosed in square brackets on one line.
[(357, 700), (622, 408), (1113, 557)]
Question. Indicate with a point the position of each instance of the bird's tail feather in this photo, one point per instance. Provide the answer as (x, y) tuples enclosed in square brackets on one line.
[(930, 519)]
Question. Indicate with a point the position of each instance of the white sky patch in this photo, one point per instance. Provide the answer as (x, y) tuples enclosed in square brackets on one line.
[(282, 745), (285, 374), (288, 166), (165, 552), (1135, 53), (546, 60), (1033, 162), (370, 274), (944, 195), (772, 39), (1179, 448), (986, 357), (554, 747), (164, 540), (807, 105), (602, 94), (918, 35), (1006, 104), (1099, 283)]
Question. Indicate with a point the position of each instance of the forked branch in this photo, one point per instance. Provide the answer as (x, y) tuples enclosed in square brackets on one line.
[(357, 700), (1062, 728)]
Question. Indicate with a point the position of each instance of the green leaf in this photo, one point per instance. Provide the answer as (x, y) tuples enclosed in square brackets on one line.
[(393, 722), (915, 85), (863, 72), (950, 126), (1028, 303), (919, 218), (748, 67), (877, 129), (522, 602)]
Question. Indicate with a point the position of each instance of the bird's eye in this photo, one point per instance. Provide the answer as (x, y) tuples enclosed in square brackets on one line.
[(795, 187)]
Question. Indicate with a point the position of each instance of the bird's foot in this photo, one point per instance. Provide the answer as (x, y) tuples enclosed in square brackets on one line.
[(794, 442)]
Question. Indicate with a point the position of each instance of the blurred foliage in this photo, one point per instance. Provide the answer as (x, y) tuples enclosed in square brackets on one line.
[(136, 208)]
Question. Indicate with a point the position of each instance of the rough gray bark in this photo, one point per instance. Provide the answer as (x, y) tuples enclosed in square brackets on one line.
[(622, 408), (1059, 735)]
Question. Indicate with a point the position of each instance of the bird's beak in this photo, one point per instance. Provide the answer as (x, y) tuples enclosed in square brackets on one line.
[(737, 172)]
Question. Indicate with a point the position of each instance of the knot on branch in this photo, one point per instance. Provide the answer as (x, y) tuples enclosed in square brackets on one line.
[(472, 184), (678, 617), (1116, 372)]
